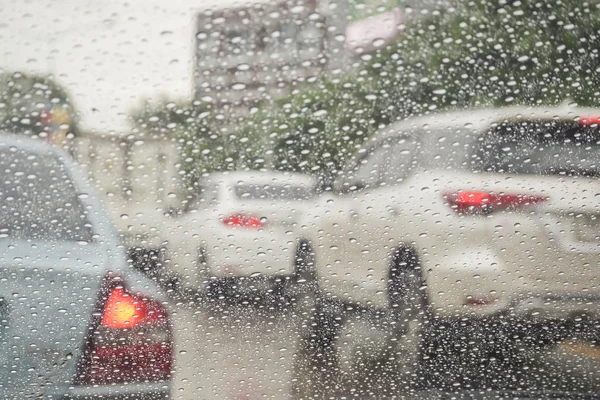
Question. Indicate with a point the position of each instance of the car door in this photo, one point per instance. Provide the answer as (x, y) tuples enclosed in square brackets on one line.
[(362, 229)]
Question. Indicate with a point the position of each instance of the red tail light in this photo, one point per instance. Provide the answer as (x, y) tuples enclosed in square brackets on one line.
[(124, 310), (130, 340), (245, 221), (589, 120), (478, 202)]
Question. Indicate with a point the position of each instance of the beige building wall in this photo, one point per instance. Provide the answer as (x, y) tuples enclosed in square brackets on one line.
[(137, 179)]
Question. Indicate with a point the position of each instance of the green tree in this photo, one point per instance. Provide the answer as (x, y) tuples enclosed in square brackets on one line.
[(475, 53), (471, 53), (318, 129), (206, 144), (35, 105), (495, 52)]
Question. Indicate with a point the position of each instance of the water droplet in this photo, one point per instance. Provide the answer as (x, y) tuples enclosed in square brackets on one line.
[(379, 42)]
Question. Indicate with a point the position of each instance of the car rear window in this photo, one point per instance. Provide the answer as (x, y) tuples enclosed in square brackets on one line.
[(553, 147), (273, 192), (39, 200)]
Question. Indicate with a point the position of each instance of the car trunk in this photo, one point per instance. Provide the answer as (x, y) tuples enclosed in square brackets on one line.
[(47, 295), (552, 244), (277, 215)]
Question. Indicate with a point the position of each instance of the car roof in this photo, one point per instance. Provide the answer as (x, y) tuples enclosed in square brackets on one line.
[(260, 177), (233, 4), (97, 216), (480, 119), (28, 143)]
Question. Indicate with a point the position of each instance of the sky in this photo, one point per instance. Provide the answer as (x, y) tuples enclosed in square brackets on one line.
[(109, 54)]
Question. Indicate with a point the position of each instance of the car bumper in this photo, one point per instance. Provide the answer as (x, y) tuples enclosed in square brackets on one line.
[(479, 281), (533, 306), (564, 308), (234, 287), (250, 254), (499, 394), (141, 391)]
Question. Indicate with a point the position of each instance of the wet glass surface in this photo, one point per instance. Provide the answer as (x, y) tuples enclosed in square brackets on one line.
[(300, 199)]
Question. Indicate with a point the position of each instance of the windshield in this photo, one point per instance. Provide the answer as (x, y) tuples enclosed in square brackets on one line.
[(309, 199), (388, 163), (272, 192), (39, 201), (567, 148)]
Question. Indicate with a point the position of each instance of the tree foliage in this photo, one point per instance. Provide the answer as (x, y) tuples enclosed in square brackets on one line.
[(206, 144), (495, 52), (30, 104), (473, 53)]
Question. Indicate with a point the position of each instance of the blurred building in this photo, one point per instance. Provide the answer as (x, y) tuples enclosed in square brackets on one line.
[(137, 178), (370, 28), (251, 52)]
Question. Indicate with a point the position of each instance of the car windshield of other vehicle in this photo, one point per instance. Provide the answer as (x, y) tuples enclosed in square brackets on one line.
[(388, 163), (568, 148), (272, 192), (39, 202)]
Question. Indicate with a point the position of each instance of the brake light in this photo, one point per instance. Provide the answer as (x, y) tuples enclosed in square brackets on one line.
[(245, 221), (129, 341), (590, 120), (479, 202), (124, 310), (479, 301)]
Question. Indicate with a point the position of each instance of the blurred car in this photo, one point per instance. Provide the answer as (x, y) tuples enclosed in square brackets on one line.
[(471, 215), (75, 320), (239, 234)]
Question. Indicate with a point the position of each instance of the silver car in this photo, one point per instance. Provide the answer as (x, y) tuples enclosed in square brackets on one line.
[(76, 322)]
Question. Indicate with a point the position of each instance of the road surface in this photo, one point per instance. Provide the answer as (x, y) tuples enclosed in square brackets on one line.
[(246, 352)]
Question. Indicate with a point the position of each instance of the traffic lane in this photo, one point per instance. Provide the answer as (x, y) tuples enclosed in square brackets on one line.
[(569, 365), (236, 351), (242, 351)]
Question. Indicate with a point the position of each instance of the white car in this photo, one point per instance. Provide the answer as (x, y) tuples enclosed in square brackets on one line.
[(239, 234), (460, 216), (76, 322)]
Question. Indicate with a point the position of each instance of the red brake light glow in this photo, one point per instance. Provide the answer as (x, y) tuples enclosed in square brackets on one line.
[(473, 199), (479, 202), (130, 341), (122, 310), (479, 301), (245, 221), (589, 120)]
